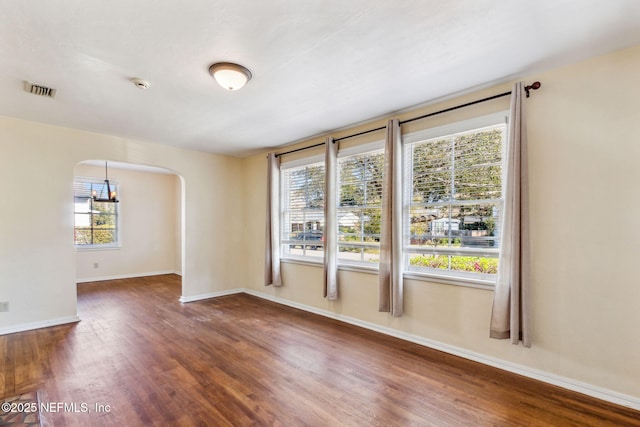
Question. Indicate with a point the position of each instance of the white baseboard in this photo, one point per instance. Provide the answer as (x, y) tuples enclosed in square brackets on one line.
[(557, 380), (37, 325), (200, 297), (126, 276)]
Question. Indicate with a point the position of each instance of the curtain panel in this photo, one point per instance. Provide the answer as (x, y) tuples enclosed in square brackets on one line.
[(330, 282), (272, 245), (391, 244), (510, 316)]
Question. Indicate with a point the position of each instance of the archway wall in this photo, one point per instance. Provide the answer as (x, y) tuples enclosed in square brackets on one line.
[(37, 255)]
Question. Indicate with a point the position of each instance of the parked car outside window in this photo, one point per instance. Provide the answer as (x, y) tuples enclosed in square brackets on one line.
[(311, 237)]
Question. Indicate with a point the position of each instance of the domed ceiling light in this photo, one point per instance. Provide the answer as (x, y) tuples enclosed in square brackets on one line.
[(230, 76), (141, 83)]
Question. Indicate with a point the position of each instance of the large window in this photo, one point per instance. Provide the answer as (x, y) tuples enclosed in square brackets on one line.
[(454, 200), (302, 196), (452, 185), (359, 207), (96, 223)]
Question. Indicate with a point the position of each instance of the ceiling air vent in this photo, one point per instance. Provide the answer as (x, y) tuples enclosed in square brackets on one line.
[(37, 89)]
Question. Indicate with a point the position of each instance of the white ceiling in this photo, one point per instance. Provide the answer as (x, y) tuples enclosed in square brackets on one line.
[(317, 65)]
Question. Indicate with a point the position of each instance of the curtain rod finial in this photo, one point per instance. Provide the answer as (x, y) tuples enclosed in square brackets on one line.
[(534, 86)]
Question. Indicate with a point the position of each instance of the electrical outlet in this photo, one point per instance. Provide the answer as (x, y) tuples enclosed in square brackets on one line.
[(4, 305), (96, 265)]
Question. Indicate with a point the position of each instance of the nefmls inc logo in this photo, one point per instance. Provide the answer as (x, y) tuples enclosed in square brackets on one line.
[(73, 407)]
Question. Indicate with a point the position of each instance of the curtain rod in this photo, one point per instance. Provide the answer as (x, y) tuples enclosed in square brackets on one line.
[(300, 149), (533, 86)]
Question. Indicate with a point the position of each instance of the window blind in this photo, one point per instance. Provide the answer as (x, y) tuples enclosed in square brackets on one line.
[(303, 210), (454, 202), (359, 207), (95, 223)]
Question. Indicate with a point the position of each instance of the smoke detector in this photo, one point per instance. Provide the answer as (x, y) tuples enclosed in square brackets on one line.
[(140, 83), (39, 90)]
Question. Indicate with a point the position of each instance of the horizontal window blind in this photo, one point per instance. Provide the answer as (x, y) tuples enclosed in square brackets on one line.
[(454, 202), (303, 210), (360, 207), (95, 223)]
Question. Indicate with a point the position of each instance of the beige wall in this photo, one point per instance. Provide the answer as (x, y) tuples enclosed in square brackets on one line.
[(149, 226), (583, 135), (37, 255)]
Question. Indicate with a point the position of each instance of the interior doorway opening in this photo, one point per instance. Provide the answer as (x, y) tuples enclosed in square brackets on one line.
[(140, 235)]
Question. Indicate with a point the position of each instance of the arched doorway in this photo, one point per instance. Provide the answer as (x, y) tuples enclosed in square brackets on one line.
[(141, 235)]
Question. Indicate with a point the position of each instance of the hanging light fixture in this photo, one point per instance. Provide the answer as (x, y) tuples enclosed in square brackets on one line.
[(111, 195), (230, 76)]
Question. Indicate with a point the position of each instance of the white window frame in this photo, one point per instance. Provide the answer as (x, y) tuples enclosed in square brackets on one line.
[(485, 281), (353, 264), (115, 185), (285, 243)]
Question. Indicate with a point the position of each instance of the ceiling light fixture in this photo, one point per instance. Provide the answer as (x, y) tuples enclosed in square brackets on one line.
[(230, 76), (141, 83), (111, 195)]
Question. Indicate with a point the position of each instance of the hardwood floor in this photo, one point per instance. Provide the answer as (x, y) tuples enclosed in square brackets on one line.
[(239, 360)]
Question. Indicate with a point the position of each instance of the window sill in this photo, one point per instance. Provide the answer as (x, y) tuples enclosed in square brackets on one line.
[(447, 280), (433, 278), (410, 275), (343, 267), (301, 261), (97, 248)]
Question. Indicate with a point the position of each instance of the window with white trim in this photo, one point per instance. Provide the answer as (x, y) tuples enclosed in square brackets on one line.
[(302, 198), (95, 223), (453, 199), (359, 207)]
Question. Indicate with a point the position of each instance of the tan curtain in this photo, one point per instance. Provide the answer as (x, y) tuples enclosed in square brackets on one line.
[(510, 316), (391, 250), (272, 240), (330, 221)]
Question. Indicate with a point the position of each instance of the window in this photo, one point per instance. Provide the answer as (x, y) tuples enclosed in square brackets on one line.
[(96, 223), (454, 198), (302, 227), (360, 207)]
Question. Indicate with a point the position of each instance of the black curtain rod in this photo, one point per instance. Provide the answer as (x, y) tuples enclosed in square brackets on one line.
[(533, 86), (457, 107), (299, 149)]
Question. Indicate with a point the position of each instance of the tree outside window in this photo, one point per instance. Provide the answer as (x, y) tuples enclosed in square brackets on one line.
[(95, 223), (456, 199)]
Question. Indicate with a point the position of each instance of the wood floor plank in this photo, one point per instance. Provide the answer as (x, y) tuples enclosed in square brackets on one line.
[(240, 360)]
